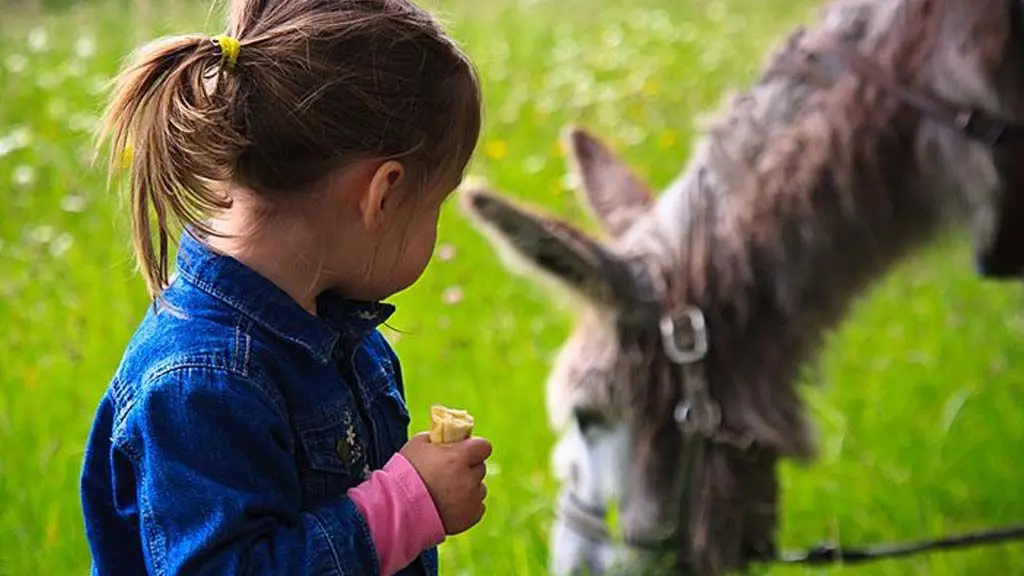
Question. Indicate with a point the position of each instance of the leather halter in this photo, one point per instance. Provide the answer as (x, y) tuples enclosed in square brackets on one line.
[(974, 123)]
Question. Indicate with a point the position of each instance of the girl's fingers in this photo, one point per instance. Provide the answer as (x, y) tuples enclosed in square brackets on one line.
[(477, 473)]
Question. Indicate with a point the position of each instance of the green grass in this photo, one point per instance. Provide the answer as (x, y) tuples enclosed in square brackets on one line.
[(919, 404)]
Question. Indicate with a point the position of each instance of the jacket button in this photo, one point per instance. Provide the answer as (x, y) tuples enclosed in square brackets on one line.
[(343, 449)]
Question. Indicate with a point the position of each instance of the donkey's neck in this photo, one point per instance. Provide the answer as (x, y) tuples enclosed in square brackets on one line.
[(802, 194), (790, 208)]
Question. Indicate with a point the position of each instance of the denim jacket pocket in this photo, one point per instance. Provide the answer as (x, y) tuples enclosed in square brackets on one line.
[(335, 456), (391, 409)]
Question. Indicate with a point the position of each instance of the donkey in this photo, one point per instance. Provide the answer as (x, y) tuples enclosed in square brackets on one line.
[(869, 133)]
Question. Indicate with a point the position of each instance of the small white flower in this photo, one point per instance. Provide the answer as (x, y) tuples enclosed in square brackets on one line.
[(612, 37), (57, 109), (24, 176), (42, 235), (15, 140), (452, 295), (49, 80), (38, 40), (85, 47), (99, 85), (73, 69), (74, 203), (534, 164), (445, 252), (60, 245), (16, 63), (83, 122)]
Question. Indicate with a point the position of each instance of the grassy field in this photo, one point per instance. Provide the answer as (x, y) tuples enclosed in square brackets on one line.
[(918, 403)]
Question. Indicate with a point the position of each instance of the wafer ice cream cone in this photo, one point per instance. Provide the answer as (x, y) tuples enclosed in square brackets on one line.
[(449, 425)]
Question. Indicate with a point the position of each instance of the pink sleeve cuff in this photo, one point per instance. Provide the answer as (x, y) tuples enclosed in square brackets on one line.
[(402, 518)]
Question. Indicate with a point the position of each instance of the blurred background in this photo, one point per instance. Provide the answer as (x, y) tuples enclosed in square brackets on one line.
[(918, 398)]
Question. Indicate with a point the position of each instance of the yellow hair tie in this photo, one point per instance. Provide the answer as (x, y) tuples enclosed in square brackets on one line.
[(229, 48)]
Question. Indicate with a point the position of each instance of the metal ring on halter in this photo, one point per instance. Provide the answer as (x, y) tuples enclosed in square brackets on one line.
[(700, 337), (706, 421)]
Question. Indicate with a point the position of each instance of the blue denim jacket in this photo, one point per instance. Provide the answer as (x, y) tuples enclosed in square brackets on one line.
[(233, 428)]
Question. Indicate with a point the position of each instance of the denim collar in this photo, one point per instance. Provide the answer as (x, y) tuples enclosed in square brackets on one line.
[(225, 278)]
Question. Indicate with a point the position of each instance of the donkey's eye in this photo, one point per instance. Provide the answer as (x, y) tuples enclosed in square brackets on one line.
[(588, 418)]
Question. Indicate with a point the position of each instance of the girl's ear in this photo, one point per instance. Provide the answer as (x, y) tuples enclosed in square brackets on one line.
[(385, 181)]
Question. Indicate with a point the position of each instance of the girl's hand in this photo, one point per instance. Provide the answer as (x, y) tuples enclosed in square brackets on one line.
[(454, 475)]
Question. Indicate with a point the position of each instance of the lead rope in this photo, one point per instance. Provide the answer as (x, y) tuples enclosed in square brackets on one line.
[(826, 554)]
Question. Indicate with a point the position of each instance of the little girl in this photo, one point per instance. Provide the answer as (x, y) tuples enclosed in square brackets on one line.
[(257, 422)]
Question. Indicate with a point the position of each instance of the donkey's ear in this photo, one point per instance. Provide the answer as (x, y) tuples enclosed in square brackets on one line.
[(552, 247), (616, 196)]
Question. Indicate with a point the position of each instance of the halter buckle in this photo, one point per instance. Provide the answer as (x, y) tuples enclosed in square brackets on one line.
[(698, 327)]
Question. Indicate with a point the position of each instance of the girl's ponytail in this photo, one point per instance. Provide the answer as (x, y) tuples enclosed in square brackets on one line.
[(169, 122), (314, 86)]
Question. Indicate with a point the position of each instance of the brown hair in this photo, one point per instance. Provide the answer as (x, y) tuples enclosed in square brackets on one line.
[(317, 84)]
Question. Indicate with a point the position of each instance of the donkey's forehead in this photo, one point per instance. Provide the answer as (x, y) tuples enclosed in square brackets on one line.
[(590, 354), (594, 339), (584, 372)]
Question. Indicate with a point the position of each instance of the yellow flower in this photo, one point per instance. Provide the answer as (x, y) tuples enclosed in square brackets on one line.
[(53, 527), (126, 157), (495, 149)]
